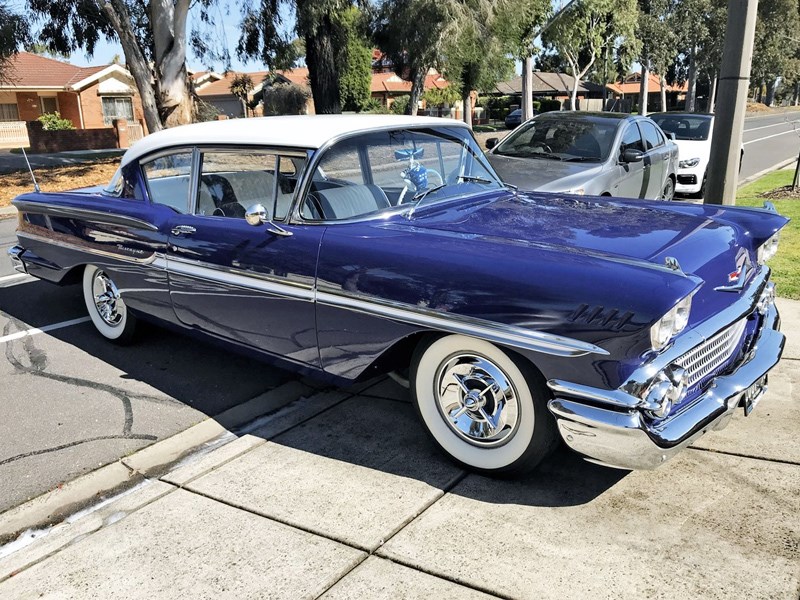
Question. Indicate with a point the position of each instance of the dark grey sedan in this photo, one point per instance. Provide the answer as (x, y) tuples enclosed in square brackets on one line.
[(598, 154)]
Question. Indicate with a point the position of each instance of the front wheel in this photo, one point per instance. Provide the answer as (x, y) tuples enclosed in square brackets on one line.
[(484, 408), (107, 310)]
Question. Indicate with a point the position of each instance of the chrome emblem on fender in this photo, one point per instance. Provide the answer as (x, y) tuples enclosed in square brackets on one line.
[(737, 278)]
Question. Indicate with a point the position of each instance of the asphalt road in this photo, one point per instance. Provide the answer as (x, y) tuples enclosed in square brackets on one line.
[(770, 140), (71, 402)]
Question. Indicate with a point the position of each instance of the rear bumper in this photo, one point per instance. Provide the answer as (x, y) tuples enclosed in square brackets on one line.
[(626, 439), (15, 255)]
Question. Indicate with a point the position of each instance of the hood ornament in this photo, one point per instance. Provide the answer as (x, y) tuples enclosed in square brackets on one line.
[(672, 263)]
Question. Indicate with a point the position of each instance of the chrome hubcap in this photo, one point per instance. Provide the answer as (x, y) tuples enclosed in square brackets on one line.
[(477, 400), (106, 299)]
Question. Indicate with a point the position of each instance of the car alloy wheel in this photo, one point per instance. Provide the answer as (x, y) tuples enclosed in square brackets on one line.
[(484, 408), (107, 309)]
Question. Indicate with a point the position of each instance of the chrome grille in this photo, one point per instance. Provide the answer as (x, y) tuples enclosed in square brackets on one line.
[(712, 354)]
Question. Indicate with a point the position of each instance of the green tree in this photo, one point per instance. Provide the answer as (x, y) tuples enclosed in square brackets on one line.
[(241, 86), (410, 32), (776, 42), (581, 32), (355, 66), (656, 42)]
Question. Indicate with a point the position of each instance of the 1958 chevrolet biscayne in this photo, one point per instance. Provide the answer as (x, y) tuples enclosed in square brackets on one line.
[(350, 246)]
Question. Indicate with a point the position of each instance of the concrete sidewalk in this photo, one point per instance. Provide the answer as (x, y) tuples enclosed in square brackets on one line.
[(351, 500)]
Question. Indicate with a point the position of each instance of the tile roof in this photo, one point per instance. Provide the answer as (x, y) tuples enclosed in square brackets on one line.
[(630, 85), (391, 82), (34, 71), (222, 87), (547, 83)]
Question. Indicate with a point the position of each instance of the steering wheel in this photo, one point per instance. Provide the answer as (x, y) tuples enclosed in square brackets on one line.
[(410, 187), (544, 147)]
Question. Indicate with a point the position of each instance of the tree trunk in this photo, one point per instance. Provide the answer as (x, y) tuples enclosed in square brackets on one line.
[(713, 99), (773, 83), (663, 83), (527, 88), (118, 16), (644, 84), (797, 93), (322, 71), (417, 88), (466, 100), (691, 82), (168, 18)]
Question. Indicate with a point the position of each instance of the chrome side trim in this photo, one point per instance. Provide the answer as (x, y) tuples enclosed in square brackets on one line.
[(240, 278), (87, 214), (585, 392), (96, 251), (498, 333)]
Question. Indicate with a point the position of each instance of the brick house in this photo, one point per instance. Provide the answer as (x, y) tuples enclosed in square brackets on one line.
[(90, 97)]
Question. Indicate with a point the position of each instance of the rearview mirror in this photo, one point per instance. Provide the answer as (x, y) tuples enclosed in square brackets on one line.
[(631, 156), (491, 143)]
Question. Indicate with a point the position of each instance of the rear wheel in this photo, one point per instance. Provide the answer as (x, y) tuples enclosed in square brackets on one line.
[(668, 193), (107, 310), (484, 408)]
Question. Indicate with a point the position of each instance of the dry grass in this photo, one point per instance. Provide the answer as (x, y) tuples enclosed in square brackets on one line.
[(57, 179)]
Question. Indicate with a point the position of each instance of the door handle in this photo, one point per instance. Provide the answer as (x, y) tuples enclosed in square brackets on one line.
[(183, 230)]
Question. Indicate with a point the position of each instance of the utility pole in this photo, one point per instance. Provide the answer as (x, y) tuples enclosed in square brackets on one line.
[(734, 78)]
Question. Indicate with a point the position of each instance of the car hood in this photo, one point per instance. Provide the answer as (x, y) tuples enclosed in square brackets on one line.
[(705, 241), (693, 149), (544, 175)]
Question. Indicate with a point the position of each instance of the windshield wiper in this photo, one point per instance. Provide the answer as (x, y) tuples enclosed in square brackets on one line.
[(544, 155), (475, 179), (420, 196)]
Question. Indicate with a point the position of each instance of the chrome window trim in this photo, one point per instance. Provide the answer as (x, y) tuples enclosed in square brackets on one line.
[(72, 212), (506, 335)]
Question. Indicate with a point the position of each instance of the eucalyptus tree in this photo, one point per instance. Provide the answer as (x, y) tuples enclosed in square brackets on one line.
[(518, 24), (776, 42), (580, 33), (691, 23), (657, 44), (154, 37), (14, 33)]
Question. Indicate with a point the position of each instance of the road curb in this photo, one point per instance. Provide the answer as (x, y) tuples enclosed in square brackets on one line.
[(767, 171), (54, 506), (7, 211)]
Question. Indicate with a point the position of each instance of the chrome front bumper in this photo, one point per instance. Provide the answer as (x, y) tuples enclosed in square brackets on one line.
[(15, 254), (625, 439)]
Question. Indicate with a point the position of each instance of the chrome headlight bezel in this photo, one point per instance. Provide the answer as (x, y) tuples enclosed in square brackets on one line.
[(689, 163), (671, 324), (768, 249)]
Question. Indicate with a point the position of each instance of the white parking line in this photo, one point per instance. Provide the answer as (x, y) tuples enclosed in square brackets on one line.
[(773, 125), (13, 277), (35, 330), (770, 136)]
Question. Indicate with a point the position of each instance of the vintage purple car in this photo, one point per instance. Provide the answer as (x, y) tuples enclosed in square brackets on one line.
[(350, 246)]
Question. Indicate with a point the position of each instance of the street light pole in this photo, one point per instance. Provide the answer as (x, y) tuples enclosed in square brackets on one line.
[(723, 164)]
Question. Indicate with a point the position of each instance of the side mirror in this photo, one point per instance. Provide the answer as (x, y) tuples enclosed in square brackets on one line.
[(671, 135), (256, 215), (631, 156), (491, 143)]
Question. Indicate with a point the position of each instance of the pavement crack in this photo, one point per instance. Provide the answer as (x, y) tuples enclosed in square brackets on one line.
[(782, 461), (126, 436)]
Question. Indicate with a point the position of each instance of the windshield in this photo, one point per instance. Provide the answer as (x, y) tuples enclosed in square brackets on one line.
[(685, 127), (561, 138), (387, 171)]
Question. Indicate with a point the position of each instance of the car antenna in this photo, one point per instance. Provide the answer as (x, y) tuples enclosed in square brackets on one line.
[(30, 169)]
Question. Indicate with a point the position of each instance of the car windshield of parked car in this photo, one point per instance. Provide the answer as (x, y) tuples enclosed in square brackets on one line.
[(685, 127), (560, 138), (386, 171)]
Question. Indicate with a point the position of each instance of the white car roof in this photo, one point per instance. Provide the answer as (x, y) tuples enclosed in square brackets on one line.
[(301, 131)]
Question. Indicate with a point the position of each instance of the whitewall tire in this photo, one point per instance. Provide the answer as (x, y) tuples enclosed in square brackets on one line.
[(483, 407), (107, 310)]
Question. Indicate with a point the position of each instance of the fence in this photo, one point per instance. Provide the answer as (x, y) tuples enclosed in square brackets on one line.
[(135, 132), (13, 134)]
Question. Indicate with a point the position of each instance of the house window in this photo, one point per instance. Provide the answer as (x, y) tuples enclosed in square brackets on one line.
[(9, 112), (117, 107), (49, 104)]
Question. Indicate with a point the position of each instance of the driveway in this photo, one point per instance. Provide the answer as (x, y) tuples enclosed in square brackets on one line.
[(355, 502)]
